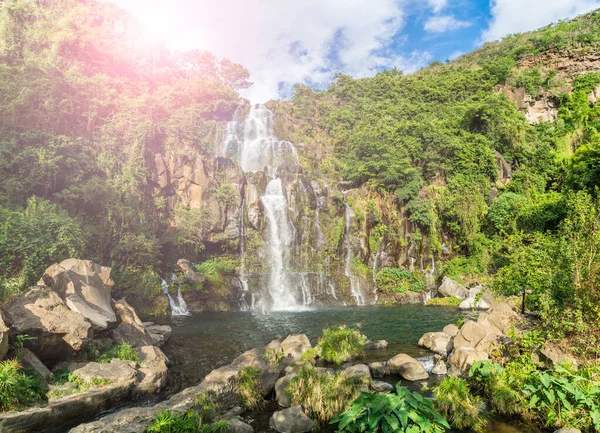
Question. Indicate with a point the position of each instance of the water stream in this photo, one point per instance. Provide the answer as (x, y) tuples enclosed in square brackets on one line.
[(178, 308)]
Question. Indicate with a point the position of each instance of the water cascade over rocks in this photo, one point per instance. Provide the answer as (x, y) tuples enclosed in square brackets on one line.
[(178, 308), (355, 282)]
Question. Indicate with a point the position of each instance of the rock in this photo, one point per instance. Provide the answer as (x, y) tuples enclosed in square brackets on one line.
[(152, 374), (359, 370), (439, 366), (501, 316), (273, 345), (295, 345), (377, 369), (291, 420), (438, 342), (407, 367), (376, 345), (131, 329), (472, 333), (451, 330), (568, 430), (474, 291), (346, 365), (85, 288), (3, 338), (473, 304), (159, 333), (236, 425), (29, 359), (381, 386), (116, 371), (450, 287), (462, 357), (189, 272), (324, 370), (281, 395), (553, 356), (58, 331)]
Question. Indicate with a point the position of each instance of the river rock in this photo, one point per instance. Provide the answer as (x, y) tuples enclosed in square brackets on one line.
[(472, 333), (295, 345), (451, 330), (377, 369), (407, 367), (501, 316), (131, 329), (3, 338), (236, 425), (85, 288), (152, 373), (359, 370), (438, 342), (116, 371), (567, 430), (190, 274), (292, 420), (282, 396), (376, 345), (472, 304), (381, 386), (29, 359), (462, 357), (450, 287), (58, 331), (439, 366), (159, 333), (553, 356)]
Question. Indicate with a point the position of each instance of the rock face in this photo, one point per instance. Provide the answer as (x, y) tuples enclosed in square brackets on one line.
[(553, 356), (377, 369), (152, 374), (131, 329), (438, 342), (283, 397), (295, 345), (3, 338), (450, 287), (462, 358), (291, 420), (116, 371), (407, 367), (472, 304), (85, 288), (28, 358), (59, 332), (189, 272), (359, 370)]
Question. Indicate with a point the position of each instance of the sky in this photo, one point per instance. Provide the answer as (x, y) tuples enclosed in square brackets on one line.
[(283, 42)]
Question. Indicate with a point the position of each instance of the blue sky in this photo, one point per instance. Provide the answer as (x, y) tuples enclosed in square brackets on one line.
[(283, 42)]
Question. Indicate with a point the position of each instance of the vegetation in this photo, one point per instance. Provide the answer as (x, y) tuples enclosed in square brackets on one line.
[(18, 389), (321, 394), (120, 350), (189, 422), (61, 377), (398, 280), (462, 409), (404, 411), (340, 344), (246, 386), (449, 301)]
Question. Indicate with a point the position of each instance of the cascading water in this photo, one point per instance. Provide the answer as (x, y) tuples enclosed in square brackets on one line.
[(355, 287), (429, 282), (178, 308)]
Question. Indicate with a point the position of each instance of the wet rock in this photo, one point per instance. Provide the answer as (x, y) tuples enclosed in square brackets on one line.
[(377, 369), (295, 345), (152, 373), (282, 396), (407, 367), (438, 342), (450, 287), (451, 330), (58, 331), (359, 370), (189, 272), (291, 420), (85, 288), (376, 345), (381, 386), (439, 366), (29, 359), (462, 357), (236, 425), (131, 329)]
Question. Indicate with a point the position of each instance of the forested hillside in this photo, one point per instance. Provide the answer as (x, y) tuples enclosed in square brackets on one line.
[(488, 164)]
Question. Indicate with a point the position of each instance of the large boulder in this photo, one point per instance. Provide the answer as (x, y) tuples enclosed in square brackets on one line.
[(462, 357), (501, 316), (451, 330), (472, 303), (295, 345), (131, 329), (450, 287), (282, 396), (58, 331), (407, 367), (472, 333), (152, 373), (85, 287), (553, 356), (3, 338), (116, 371), (359, 370), (190, 274), (438, 342), (160, 333), (377, 369), (439, 366), (292, 420), (29, 359)]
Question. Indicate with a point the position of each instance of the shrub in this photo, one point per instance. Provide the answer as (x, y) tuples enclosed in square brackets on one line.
[(323, 395), (449, 301), (340, 344), (398, 280), (17, 388), (63, 376), (461, 408), (246, 386), (121, 350), (189, 422), (274, 356), (405, 411)]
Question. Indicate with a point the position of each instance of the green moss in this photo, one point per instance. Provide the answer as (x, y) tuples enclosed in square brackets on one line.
[(449, 301)]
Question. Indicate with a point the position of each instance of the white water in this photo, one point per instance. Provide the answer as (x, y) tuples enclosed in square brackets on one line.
[(355, 287), (178, 308)]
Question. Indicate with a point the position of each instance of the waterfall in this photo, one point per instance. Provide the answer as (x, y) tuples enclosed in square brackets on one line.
[(429, 282), (178, 308), (355, 288), (243, 278)]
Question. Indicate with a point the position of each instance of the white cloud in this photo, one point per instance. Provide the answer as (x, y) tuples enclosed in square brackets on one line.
[(455, 55), (437, 5), (516, 16), (444, 23), (286, 41)]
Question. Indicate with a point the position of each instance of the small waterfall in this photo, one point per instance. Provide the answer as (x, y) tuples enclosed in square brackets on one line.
[(178, 308), (355, 287), (243, 278), (428, 362), (429, 282)]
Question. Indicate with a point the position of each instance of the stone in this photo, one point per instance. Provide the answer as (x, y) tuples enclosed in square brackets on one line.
[(291, 420), (451, 330), (159, 333), (450, 287), (273, 345), (359, 370), (501, 316), (236, 425), (462, 357), (472, 304), (381, 386), (407, 367), (376, 345), (552, 356), (471, 333), (152, 373), (58, 331), (281, 395), (438, 342), (567, 430), (3, 338), (295, 345), (116, 371), (190, 274), (131, 329), (377, 369), (85, 288), (439, 366), (29, 359)]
